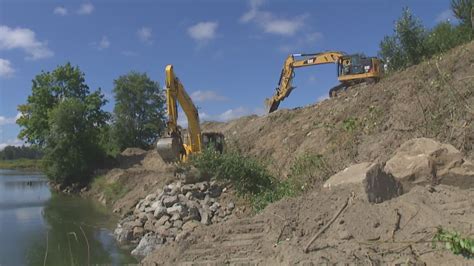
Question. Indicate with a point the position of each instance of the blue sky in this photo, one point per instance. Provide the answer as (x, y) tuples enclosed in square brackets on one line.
[(227, 53)]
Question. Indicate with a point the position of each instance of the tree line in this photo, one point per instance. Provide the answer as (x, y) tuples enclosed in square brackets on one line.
[(21, 152), (411, 42), (66, 120)]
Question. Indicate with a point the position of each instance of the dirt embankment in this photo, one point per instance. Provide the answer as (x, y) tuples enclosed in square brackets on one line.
[(434, 99), (366, 124)]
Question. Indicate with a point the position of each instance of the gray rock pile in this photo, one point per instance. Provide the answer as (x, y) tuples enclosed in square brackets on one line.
[(171, 214)]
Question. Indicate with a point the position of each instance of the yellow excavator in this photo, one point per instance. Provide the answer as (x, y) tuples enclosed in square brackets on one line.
[(351, 69), (171, 146)]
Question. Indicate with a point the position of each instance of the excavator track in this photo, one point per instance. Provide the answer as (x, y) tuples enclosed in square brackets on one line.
[(242, 245)]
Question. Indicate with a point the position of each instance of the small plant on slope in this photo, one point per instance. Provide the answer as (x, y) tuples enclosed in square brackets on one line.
[(455, 242)]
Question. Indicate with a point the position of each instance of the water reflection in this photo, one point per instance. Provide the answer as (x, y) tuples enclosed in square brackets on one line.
[(38, 226)]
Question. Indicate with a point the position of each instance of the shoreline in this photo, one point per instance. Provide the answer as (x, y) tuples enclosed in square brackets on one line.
[(21, 164)]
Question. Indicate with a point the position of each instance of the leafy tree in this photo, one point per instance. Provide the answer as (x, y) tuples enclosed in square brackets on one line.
[(48, 90), (445, 36), (411, 34), (462, 10), (392, 53), (407, 46), (63, 117), (138, 111), (73, 149)]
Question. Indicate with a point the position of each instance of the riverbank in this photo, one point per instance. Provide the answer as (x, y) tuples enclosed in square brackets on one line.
[(21, 164)]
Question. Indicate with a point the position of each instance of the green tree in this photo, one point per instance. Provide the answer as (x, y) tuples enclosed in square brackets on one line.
[(63, 117), (411, 34), (73, 150), (462, 10), (48, 90), (138, 111), (446, 36), (407, 46)]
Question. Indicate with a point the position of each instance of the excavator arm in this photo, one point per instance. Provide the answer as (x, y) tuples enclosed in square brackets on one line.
[(287, 73), (171, 147)]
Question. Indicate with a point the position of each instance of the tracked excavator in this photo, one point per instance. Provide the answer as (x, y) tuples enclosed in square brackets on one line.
[(172, 147), (351, 69)]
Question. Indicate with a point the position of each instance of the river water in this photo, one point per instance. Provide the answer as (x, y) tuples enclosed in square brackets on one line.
[(40, 227)]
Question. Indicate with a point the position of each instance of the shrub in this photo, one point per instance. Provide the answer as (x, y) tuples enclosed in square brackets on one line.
[(307, 169), (112, 191), (247, 174)]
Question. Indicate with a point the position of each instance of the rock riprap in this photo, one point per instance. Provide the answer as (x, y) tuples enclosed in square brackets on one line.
[(171, 214)]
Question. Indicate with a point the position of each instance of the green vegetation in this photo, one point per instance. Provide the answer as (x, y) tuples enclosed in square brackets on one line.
[(22, 152), (247, 174), (349, 124), (21, 164), (309, 168), (64, 118), (411, 43), (454, 242), (252, 180), (112, 191), (138, 112)]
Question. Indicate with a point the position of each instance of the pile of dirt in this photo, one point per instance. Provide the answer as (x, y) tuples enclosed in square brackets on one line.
[(434, 99)]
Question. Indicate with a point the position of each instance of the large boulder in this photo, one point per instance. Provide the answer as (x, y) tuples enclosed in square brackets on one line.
[(426, 161), (368, 180)]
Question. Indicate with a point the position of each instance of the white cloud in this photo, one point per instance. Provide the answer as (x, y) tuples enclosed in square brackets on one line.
[(302, 41), (60, 10), (269, 23), (104, 43), (6, 68), (253, 11), (144, 34), (23, 38), (11, 142), (238, 112), (227, 115), (85, 9), (9, 120), (206, 96), (446, 15), (203, 31)]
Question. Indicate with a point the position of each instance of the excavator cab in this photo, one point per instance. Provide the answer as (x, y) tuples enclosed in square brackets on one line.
[(358, 67), (213, 140)]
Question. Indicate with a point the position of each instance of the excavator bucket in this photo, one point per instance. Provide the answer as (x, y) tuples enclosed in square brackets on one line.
[(169, 149), (271, 105)]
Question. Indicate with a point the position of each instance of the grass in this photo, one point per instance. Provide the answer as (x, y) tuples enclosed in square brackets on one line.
[(253, 181), (112, 191), (21, 164)]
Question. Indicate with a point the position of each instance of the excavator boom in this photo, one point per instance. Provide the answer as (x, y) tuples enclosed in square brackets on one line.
[(351, 69), (171, 147), (287, 73)]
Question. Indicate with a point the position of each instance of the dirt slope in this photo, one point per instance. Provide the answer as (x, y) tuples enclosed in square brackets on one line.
[(362, 234), (434, 99), (367, 123)]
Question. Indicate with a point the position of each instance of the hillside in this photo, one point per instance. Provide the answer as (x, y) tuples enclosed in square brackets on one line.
[(365, 124), (434, 99)]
